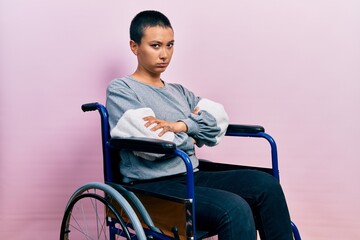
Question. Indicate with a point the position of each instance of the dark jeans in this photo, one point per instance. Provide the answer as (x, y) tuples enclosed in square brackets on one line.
[(234, 203)]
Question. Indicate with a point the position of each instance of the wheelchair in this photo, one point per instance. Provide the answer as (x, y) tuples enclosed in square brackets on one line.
[(115, 210)]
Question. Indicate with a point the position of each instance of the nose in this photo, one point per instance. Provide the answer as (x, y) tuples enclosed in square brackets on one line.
[(163, 54)]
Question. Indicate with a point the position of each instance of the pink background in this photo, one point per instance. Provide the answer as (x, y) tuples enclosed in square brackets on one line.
[(292, 66)]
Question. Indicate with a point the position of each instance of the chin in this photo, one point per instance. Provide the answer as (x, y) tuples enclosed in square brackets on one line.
[(159, 71)]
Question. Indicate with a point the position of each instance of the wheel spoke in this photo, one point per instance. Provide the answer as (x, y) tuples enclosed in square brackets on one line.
[(92, 216)]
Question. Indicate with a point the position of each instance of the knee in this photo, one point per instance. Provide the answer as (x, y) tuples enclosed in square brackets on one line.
[(271, 188), (237, 215), (226, 213)]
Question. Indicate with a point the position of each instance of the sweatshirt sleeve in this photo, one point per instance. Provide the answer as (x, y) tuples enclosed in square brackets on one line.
[(208, 127)]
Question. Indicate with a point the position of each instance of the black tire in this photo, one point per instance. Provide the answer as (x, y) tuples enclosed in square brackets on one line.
[(98, 214)]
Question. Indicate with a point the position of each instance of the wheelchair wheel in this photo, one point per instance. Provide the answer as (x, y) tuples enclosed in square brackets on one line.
[(97, 211)]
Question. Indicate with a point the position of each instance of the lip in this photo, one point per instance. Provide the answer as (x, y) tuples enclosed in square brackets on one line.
[(162, 65)]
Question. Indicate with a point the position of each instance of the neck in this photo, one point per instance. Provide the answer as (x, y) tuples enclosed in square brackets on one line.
[(149, 79)]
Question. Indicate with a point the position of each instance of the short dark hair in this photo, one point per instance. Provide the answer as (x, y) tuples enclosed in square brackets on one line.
[(145, 19)]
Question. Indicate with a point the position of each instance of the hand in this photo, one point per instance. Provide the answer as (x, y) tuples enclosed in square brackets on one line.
[(166, 126), (196, 110)]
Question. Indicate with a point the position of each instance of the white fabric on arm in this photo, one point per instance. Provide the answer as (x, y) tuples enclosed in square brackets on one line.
[(218, 112), (132, 124)]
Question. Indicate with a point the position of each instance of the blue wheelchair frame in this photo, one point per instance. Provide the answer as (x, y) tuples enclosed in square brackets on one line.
[(157, 146)]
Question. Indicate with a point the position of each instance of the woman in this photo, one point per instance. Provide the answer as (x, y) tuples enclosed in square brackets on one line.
[(231, 203)]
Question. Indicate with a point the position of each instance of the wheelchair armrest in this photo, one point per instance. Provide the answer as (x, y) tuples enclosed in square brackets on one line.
[(236, 128), (143, 145)]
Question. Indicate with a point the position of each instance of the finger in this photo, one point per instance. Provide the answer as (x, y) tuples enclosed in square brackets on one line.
[(159, 126), (147, 124), (196, 110), (156, 127), (162, 132), (149, 120)]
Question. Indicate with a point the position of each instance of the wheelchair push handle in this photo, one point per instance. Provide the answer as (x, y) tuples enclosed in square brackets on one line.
[(90, 107)]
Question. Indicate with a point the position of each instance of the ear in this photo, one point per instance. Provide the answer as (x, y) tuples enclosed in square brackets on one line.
[(134, 47)]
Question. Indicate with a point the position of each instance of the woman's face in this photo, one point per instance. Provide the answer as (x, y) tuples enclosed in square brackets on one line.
[(155, 51)]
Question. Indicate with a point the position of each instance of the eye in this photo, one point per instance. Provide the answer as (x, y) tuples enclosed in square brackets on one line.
[(170, 45), (155, 45)]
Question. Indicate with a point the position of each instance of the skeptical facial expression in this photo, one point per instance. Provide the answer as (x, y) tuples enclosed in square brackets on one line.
[(155, 50)]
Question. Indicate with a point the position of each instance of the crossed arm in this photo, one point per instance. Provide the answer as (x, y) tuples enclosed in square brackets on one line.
[(166, 126), (180, 116)]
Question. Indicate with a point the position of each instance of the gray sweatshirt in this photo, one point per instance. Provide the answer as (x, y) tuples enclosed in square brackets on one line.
[(129, 101)]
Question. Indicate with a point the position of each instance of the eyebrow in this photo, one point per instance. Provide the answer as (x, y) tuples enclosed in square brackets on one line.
[(160, 42)]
